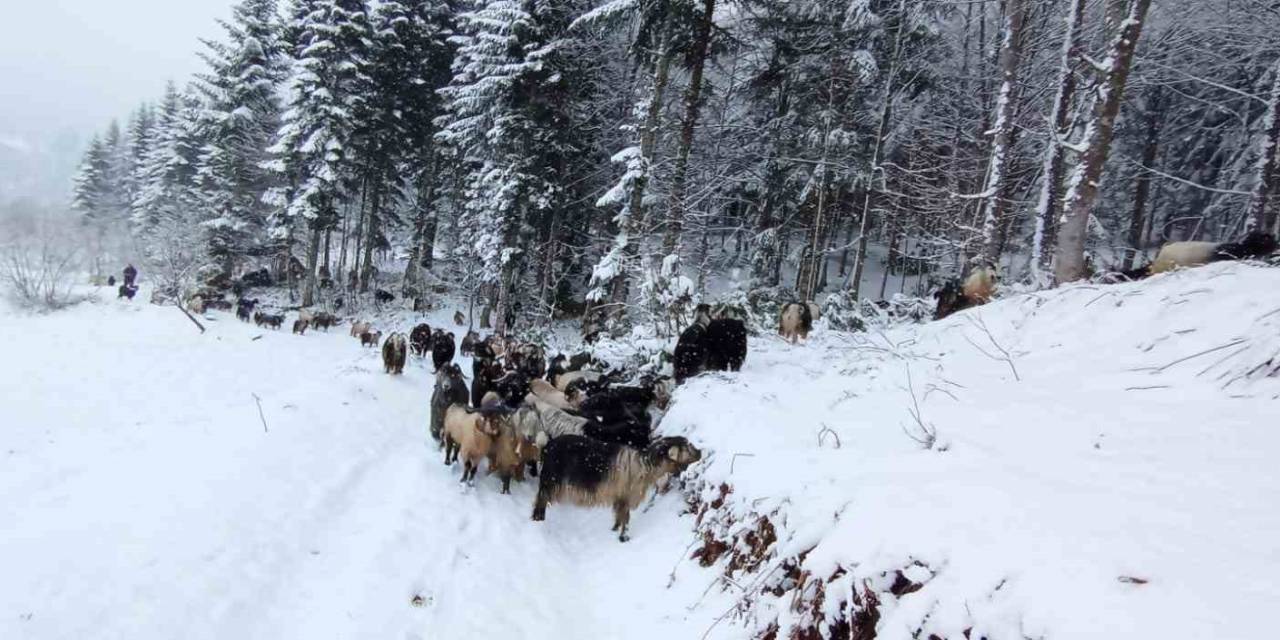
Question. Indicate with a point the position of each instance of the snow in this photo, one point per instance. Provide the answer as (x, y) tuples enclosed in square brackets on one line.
[(1111, 454), (1114, 476), (143, 498)]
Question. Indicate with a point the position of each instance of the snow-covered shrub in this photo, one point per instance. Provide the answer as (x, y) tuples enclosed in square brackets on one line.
[(842, 312), (39, 263)]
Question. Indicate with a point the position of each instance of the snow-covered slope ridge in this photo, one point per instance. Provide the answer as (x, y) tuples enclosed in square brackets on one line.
[(1103, 465)]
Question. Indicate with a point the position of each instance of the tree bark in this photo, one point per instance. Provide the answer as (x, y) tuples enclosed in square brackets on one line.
[(1260, 217), (1106, 101), (1010, 51), (877, 153), (1150, 148), (313, 255), (692, 105), (1045, 235), (373, 231), (634, 224)]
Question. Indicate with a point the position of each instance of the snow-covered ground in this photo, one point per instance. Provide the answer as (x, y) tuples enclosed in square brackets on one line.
[(1111, 487), (142, 498)]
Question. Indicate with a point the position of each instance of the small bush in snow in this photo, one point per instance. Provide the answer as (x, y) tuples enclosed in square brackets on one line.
[(39, 271), (844, 313)]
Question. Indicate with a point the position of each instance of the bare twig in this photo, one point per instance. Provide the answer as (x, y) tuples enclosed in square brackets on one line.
[(825, 430), (735, 459), (928, 435), (1155, 370), (1154, 386), (260, 414), (1004, 353)]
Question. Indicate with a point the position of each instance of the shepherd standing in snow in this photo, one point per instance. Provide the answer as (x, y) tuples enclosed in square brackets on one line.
[(130, 274)]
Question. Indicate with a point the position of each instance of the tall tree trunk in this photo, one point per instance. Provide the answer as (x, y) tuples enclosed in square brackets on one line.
[(877, 152), (1150, 148), (692, 105), (1045, 234), (1010, 51), (635, 222), (1260, 217), (374, 231), (1106, 101), (313, 255)]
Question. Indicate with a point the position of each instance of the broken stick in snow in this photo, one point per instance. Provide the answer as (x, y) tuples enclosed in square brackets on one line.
[(189, 316), (260, 414)]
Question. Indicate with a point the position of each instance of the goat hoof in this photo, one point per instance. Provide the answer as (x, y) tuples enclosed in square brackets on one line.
[(623, 538)]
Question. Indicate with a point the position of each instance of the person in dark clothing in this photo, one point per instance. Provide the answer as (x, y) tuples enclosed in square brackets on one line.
[(130, 274)]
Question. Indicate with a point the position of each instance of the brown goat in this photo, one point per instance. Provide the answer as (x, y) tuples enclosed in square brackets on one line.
[(359, 327), (468, 434), (568, 400), (300, 326), (370, 338), (511, 453), (394, 353)]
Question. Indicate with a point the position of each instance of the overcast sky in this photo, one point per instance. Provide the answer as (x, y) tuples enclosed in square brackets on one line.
[(75, 64)]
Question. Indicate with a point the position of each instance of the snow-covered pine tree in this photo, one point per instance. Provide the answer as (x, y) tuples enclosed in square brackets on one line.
[(165, 213), (330, 42), (242, 115), (92, 191), (504, 119), (412, 58)]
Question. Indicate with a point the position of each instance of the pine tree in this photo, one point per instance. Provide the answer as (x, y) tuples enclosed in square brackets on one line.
[(330, 41), (92, 190), (503, 118), (241, 117)]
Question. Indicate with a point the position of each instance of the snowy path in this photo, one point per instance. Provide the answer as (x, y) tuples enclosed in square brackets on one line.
[(142, 498)]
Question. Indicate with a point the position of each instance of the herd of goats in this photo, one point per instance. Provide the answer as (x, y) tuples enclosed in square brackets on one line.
[(569, 421)]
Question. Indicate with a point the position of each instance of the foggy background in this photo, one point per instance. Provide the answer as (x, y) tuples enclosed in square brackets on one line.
[(67, 67)]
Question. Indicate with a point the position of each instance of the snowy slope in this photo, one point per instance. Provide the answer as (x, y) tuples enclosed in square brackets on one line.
[(143, 499), (1109, 459), (1122, 484)]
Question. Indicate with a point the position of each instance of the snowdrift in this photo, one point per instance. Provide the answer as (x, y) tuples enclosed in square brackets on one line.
[(1089, 462)]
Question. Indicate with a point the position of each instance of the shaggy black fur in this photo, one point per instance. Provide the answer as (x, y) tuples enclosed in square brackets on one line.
[(631, 434), (484, 376), (244, 308), (616, 402), (420, 340), (273, 321), (442, 348), (576, 461), (556, 368), (691, 352), (450, 389), (468, 346), (300, 326), (951, 299), (382, 296), (126, 291), (726, 344), (579, 461), (513, 387), (1254, 245), (259, 278)]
